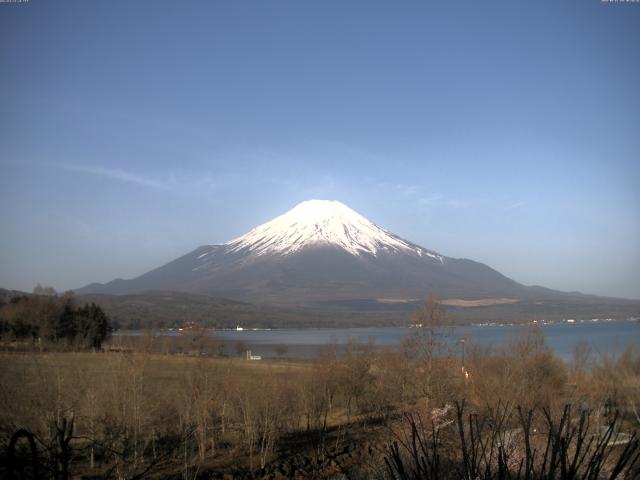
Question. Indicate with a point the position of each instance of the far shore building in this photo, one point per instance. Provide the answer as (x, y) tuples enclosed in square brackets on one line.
[(253, 357)]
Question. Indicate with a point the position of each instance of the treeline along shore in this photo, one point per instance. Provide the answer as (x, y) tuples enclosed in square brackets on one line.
[(417, 411)]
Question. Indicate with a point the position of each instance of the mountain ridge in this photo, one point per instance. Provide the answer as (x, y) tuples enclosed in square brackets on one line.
[(322, 251)]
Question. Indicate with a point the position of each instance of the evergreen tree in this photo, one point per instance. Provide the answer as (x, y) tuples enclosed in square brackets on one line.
[(55, 319), (93, 325), (65, 324)]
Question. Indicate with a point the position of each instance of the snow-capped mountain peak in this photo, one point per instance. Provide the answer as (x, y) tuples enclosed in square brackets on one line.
[(318, 223)]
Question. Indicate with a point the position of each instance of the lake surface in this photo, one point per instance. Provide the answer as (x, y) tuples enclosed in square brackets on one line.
[(606, 338)]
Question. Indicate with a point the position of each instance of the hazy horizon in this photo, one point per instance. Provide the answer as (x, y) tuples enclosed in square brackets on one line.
[(133, 132)]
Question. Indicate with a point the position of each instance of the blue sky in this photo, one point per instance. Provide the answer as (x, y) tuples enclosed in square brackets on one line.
[(506, 132)]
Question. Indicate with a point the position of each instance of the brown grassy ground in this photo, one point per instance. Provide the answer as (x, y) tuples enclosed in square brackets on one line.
[(24, 369)]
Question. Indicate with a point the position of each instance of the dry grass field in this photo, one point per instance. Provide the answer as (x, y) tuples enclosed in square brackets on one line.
[(139, 414)]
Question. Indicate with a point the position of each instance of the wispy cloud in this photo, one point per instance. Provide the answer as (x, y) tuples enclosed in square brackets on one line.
[(114, 174), (424, 198), (204, 182), (429, 199), (513, 206)]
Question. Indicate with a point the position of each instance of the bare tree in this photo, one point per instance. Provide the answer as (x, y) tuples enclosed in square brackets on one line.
[(428, 343)]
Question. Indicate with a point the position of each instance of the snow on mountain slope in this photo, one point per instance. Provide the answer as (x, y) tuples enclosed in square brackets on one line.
[(322, 222), (319, 251)]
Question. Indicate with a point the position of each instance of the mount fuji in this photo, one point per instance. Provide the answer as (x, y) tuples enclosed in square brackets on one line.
[(321, 251)]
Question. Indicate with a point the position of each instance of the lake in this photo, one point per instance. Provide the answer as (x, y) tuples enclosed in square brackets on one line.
[(606, 338)]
